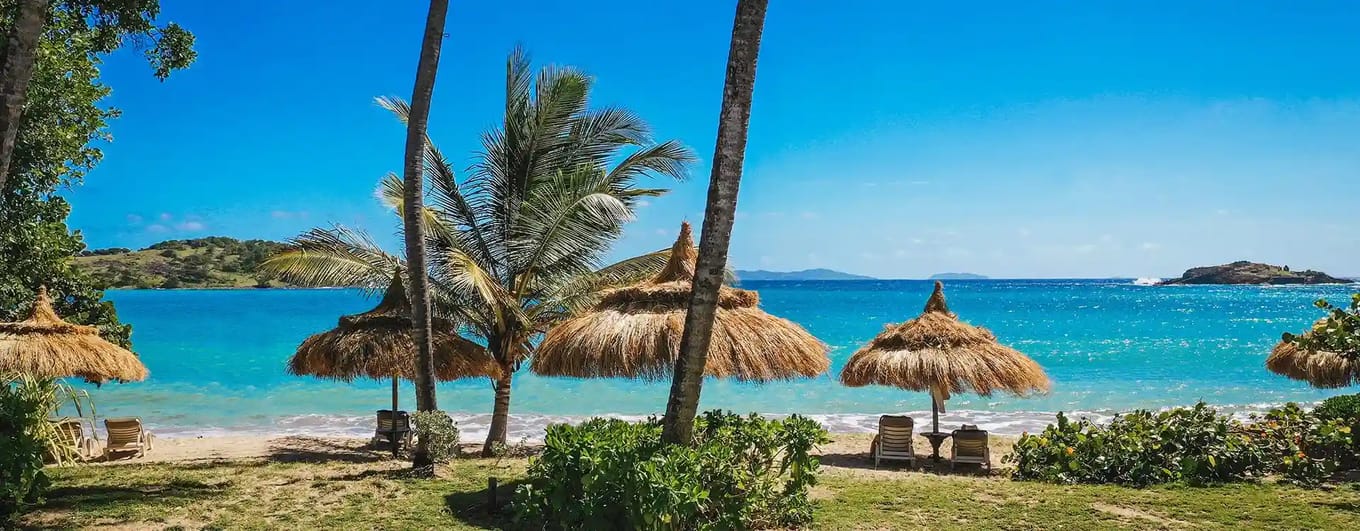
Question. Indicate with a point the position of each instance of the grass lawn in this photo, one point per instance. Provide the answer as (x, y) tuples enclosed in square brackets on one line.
[(371, 492)]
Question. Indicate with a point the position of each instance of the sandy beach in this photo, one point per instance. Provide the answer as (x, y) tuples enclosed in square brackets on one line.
[(847, 450)]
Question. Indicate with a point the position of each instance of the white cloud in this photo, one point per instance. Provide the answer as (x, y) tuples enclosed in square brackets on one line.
[(165, 216), (807, 214), (190, 226), (285, 214), (643, 203), (1086, 249), (1222, 212), (900, 253), (1151, 246), (662, 232), (1106, 238), (134, 219), (157, 228)]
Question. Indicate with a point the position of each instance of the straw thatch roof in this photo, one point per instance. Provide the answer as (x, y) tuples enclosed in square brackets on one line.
[(380, 344), (634, 332), (47, 347), (1318, 367), (937, 352)]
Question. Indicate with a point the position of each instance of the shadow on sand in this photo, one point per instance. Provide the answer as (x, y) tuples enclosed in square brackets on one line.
[(300, 449), (863, 461)]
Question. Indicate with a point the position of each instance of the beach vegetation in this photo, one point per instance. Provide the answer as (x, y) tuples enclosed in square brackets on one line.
[(29, 440), (1194, 446), (23, 412), (742, 472), (440, 433), (517, 245), (1338, 331)]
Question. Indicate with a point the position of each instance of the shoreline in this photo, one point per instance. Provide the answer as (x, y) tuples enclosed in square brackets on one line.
[(530, 427), (846, 450)]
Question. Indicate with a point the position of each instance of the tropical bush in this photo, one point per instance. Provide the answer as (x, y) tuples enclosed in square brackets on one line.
[(1194, 445), (23, 412), (439, 431), (741, 472), (1344, 409)]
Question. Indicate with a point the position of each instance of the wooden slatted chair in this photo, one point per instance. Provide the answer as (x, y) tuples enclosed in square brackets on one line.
[(72, 433), (394, 430), (126, 435), (894, 440), (970, 446)]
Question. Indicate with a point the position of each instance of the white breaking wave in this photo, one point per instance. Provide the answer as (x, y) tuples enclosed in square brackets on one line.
[(1147, 281), (531, 427)]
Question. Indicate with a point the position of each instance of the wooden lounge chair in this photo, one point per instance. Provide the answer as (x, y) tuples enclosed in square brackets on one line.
[(126, 435), (72, 433), (893, 441), (970, 446), (393, 430)]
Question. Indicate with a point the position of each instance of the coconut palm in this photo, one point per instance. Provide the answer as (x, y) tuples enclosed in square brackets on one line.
[(516, 246), (416, 125), (719, 215)]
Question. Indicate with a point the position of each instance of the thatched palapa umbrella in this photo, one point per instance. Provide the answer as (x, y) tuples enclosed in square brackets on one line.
[(938, 353), (1320, 368), (45, 346), (634, 332), (379, 344)]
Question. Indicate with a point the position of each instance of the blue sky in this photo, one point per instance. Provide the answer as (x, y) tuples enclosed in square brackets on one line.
[(895, 139)]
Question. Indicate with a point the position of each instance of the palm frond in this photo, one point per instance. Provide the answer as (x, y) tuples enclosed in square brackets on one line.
[(334, 257)]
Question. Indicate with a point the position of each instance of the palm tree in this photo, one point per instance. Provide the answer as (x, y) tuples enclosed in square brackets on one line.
[(16, 70), (412, 174), (718, 217), (517, 245)]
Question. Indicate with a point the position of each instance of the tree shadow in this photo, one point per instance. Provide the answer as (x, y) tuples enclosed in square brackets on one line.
[(96, 496), (301, 449), (474, 507), (1350, 507)]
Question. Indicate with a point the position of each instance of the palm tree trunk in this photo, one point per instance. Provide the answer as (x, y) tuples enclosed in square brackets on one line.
[(500, 413), (412, 176), (718, 217), (16, 69)]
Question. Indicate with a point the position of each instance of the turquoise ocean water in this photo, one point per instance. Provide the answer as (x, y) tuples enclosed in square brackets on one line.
[(217, 357)]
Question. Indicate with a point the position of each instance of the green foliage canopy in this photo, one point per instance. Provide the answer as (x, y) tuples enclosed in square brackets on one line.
[(63, 121)]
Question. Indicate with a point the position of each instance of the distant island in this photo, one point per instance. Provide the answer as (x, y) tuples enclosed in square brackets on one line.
[(212, 262), (1244, 272), (957, 276), (806, 274)]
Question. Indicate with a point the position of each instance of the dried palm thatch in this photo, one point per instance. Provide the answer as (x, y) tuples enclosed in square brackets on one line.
[(45, 346), (634, 332), (1319, 368), (379, 344), (936, 352)]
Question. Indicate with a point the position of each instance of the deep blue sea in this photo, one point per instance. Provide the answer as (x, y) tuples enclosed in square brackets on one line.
[(217, 357)]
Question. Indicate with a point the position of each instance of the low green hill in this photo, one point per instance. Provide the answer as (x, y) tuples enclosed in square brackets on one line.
[(213, 262)]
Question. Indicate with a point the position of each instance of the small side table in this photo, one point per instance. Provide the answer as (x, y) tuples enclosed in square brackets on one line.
[(936, 438)]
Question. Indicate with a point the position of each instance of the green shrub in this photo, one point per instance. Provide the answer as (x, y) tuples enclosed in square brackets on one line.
[(1345, 410), (439, 431), (23, 414), (741, 472), (1188, 445), (1300, 445), (1341, 407)]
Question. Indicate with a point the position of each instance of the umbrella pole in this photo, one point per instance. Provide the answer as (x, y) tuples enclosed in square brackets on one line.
[(392, 436), (935, 414)]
